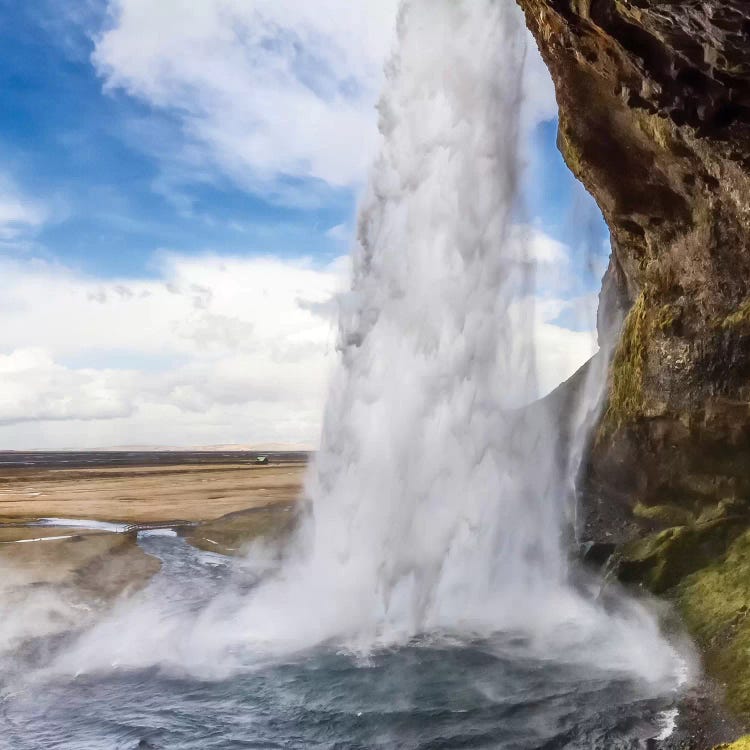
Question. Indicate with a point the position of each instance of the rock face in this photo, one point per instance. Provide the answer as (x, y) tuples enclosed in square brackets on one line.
[(654, 100)]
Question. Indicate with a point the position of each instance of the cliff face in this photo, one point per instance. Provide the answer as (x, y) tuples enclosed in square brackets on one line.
[(654, 99)]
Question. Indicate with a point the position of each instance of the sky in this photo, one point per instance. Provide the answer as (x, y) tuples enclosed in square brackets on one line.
[(178, 191)]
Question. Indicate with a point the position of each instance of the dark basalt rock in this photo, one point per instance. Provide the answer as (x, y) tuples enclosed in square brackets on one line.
[(597, 554)]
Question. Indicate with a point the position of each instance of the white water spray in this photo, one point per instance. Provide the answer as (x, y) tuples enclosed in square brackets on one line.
[(438, 502), (432, 494)]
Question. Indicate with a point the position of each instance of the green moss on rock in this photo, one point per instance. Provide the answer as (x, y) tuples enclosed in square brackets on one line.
[(715, 604), (667, 515), (570, 152), (723, 509), (704, 566), (654, 561), (741, 744), (626, 395), (666, 317), (740, 318), (661, 561)]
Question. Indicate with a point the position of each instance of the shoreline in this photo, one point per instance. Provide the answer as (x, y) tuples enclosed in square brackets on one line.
[(77, 528)]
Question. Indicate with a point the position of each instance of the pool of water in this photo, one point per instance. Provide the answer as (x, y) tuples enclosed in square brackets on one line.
[(433, 693), (467, 696)]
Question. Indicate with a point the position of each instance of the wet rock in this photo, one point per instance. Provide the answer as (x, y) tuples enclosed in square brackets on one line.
[(597, 554), (655, 120)]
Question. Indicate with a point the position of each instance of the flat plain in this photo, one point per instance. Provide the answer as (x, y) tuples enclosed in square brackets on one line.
[(146, 494)]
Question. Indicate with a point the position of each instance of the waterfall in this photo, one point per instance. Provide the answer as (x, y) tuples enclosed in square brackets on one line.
[(433, 490), (441, 497)]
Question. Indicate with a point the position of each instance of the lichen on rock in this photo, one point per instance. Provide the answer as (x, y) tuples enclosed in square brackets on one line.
[(738, 319)]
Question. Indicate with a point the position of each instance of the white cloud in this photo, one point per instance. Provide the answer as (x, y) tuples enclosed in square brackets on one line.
[(559, 350), (19, 214), (560, 347), (264, 88), (268, 89), (214, 350), (539, 102), (217, 349), (340, 233), (35, 387)]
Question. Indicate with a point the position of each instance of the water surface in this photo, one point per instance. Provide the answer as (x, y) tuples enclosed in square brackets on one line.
[(434, 693)]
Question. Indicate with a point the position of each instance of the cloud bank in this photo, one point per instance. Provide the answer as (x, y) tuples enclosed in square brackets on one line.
[(262, 89), (216, 349), (213, 349), (279, 97)]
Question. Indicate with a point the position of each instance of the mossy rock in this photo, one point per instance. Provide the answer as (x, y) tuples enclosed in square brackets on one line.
[(570, 152), (729, 507), (666, 515), (738, 319), (741, 744), (626, 393), (715, 604), (667, 316), (660, 561)]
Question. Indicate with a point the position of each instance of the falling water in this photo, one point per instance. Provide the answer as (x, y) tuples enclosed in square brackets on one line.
[(432, 488), (440, 497), (435, 498)]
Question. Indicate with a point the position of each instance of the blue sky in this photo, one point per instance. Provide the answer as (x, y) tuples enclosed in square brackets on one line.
[(89, 155), (141, 143)]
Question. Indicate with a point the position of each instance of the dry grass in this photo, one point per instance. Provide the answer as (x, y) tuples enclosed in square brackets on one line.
[(231, 534), (146, 495), (98, 565)]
